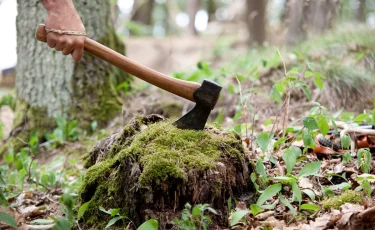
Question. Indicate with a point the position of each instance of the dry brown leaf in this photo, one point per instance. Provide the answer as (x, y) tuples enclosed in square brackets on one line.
[(305, 182), (30, 211)]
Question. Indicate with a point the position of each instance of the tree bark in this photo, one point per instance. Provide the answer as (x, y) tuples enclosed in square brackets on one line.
[(256, 20), (361, 11), (192, 11), (294, 12), (143, 12), (321, 14), (50, 84), (211, 10)]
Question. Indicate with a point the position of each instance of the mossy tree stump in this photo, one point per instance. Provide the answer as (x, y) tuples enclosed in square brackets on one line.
[(152, 169)]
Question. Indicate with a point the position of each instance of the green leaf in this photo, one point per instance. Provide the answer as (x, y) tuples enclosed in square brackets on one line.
[(297, 151), (345, 141), (94, 125), (318, 82), (347, 157), (280, 88), (286, 203), (310, 123), (8, 219), (103, 210), (269, 192), (229, 204), (308, 74), (309, 141), (367, 187), (260, 168), (310, 169), (373, 116), (114, 211), (196, 211), (309, 207), (113, 221), (284, 179), (22, 173), (62, 224), (297, 192), (309, 193), (150, 224), (306, 91), (342, 186), (255, 209), (9, 158), (290, 159), (212, 210), (263, 140), (237, 216), (82, 209), (323, 125), (3, 200), (275, 95), (361, 117)]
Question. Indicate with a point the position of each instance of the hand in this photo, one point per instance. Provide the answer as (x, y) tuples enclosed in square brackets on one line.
[(65, 18)]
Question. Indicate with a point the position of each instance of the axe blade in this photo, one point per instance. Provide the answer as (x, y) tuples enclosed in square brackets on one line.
[(205, 97)]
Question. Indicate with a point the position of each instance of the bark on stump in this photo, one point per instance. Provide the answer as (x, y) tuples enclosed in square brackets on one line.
[(152, 169)]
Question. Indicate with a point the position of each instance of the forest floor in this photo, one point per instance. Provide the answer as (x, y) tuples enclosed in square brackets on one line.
[(296, 185)]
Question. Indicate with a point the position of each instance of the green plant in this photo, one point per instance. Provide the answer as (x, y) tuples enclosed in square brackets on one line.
[(7, 100), (195, 218), (65, 131), (68, 220), (237, 216), (150, 224), (290, 156), (365, 185), (115, 214), (8, 219), (364, 160)]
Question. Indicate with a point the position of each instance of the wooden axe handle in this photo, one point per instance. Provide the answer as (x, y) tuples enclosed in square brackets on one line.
[(179, 87)]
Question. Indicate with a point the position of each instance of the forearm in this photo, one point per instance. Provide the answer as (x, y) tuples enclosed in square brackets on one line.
[(58, 6)]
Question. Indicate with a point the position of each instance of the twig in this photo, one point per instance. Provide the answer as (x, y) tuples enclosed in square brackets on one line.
[(281, 57), (39, 227)]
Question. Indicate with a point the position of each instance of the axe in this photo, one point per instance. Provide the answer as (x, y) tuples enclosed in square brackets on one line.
[(205, 96)]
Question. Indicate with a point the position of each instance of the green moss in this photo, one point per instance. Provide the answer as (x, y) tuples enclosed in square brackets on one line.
[(346, 197), (165, 151), (161, 153)]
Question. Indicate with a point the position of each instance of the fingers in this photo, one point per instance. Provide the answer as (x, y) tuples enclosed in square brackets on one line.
[(77, 54), (67, 50), (51, 40), (67, 44)]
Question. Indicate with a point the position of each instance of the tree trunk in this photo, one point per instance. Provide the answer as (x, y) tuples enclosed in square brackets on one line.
[(211, 10), (192, 11), (50, 84), (361, 11), (321, 14), (294, 12), (256, 20), (143, 12)]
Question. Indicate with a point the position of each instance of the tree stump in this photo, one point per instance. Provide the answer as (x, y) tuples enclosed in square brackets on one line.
[(152, 169)]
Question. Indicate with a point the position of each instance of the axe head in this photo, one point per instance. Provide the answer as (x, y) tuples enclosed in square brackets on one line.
[(205, 98)]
